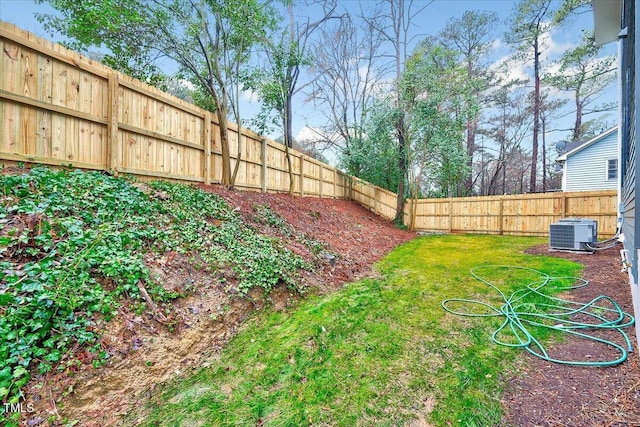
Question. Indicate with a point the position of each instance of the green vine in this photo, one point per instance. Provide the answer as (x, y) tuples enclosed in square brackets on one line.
[(72, 245)]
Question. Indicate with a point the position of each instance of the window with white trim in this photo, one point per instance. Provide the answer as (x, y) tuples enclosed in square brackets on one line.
[(612, 169)]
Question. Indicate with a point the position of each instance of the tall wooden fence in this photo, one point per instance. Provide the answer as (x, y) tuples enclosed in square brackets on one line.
[(58, 107), (524, 214)]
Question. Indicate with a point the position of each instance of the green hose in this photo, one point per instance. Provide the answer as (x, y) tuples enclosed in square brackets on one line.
[(529, 306)]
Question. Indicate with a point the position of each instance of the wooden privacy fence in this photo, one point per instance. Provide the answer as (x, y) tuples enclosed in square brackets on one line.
[(520, 215), (58, 107), (524, 214)]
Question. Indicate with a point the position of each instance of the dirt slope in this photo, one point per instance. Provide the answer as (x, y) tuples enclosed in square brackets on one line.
[(144, 353)]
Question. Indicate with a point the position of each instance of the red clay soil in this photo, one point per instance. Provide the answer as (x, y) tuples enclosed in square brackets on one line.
[(356, 235), (550, 394)]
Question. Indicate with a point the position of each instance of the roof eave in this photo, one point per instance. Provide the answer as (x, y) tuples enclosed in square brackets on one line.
[(589, 143), (607, 16)]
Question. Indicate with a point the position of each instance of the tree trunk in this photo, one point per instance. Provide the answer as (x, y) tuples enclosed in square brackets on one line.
[(288, 95), (536, 116), (402, 166), (471, 143), (290, 169), (221, 112), (544, 154), (288, 126), (287, 144), (496, 182), (504, 178), (234, 175), (578, 123), (236, 101)]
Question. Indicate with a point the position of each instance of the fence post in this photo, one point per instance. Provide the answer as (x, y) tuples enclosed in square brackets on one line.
[(350, 188), (375, 199), (301, 175), (412, 224), (335, 183), (263, 170), (563, 212), (501, 216), (450, 216), (321, 177), (207, 148), (113, 147)]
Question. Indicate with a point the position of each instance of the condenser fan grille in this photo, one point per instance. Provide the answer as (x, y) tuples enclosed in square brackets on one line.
[(573, 234)]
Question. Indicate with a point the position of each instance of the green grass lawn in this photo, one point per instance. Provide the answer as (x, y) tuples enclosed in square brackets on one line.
[(379, 352)]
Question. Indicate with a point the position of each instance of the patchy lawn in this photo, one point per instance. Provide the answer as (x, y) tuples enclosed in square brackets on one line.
[(381, 351)]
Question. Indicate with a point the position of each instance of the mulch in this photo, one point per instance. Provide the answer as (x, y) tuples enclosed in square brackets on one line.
[(550, 394)]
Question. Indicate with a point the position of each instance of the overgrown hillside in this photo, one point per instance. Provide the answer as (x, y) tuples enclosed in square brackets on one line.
[(84, 251)]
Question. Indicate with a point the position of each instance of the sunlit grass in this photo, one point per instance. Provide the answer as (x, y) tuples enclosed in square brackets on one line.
[(379, 352)]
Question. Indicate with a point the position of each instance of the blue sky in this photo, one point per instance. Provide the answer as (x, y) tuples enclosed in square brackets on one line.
[(21, 12), (432, 19)]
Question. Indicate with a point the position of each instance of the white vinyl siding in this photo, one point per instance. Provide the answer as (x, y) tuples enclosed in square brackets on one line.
[(588, 169)]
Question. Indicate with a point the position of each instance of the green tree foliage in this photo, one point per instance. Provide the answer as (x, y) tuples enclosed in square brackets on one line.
[(570, 8), (434, 101), (437, 96), (393, 22), (583, 71), (278, 80), (275, 85), (119, 26), (374, 156), (471, 37)]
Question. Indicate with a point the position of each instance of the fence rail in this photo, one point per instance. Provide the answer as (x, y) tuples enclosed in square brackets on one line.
[(58, 107), (525, 214)]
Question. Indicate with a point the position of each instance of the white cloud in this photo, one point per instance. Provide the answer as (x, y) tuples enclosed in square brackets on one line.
[(497, 45), (249, 96), (552, 44), (307, 134), (317, 134), (509, 68)]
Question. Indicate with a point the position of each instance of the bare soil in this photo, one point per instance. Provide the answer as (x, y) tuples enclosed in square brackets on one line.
[(550, 394), (144, 353)]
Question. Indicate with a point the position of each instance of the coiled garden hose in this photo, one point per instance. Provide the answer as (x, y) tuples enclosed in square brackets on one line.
[(530, 307)]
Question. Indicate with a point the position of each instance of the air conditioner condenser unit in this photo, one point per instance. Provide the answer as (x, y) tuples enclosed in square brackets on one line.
[(574, 234)]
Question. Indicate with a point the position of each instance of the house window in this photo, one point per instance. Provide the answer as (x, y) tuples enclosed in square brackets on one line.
[(612, 169)]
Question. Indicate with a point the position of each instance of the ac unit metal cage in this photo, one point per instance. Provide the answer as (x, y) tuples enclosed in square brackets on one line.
[(573, 234)]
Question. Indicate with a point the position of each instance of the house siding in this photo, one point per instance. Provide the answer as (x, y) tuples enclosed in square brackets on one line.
[(586, 170), (629, 197)]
